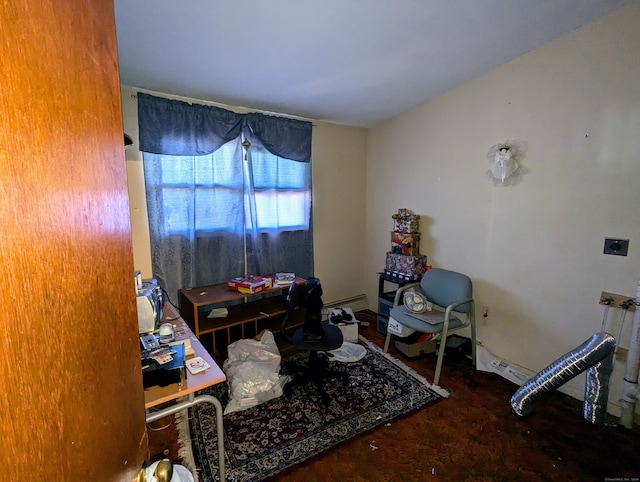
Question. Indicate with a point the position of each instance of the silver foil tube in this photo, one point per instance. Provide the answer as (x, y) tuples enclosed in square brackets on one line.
[(593, 353), (596, 390)]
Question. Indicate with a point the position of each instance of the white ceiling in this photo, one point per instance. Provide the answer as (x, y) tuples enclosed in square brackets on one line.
[(353, 62)]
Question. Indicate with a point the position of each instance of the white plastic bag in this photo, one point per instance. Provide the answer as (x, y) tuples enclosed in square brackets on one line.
[(348, 352), (253, 372)]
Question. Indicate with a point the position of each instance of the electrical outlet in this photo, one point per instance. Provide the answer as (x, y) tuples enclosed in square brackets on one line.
[(619, 247)]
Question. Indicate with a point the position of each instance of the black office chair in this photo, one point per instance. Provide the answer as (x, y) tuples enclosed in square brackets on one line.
[(313, 336)]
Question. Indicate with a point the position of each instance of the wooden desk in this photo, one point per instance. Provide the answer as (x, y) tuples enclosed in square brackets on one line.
[(247, 318), (154, 396)]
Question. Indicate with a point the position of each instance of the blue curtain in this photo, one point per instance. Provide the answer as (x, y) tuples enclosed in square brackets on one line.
[(211, 203), (177, 128)]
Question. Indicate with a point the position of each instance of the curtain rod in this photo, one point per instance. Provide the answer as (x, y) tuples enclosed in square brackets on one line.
[(224, 106)]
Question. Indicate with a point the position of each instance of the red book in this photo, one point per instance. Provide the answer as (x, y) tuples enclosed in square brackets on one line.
[(249, 284)]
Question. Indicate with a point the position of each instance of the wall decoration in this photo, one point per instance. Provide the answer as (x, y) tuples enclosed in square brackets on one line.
[(504, 169)]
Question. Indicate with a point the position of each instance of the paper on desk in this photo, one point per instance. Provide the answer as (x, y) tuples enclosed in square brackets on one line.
[(218, 313), (197, 365)]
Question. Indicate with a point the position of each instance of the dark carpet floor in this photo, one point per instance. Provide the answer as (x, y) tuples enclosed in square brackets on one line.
[(474, 436)]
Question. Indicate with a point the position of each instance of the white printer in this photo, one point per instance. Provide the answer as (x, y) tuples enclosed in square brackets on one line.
[(150, 302)]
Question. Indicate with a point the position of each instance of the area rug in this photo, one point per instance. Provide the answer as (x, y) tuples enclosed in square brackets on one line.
[(264, 440)]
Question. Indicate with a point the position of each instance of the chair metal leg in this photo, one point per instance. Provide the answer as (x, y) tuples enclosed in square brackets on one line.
[(473, 335), (443, 345), (315, 371), (386, 341), (436, 377)]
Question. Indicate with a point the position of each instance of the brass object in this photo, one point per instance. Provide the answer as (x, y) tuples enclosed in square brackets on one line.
[(164, 471), (142, 476)]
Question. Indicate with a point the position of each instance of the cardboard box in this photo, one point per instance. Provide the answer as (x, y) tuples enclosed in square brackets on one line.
[(252, 290), (250, 284), (349, 328), (397, 329), (413, 350)]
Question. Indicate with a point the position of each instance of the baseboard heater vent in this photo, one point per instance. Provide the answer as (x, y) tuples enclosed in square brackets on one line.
[(356, 303)]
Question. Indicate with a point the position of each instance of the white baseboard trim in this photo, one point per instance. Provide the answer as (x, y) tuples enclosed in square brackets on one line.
[(356, 303)]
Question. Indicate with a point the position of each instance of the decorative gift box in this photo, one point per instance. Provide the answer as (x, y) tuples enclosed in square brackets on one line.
[(406, 222), (405, 243), (249, 284), (405, 267)]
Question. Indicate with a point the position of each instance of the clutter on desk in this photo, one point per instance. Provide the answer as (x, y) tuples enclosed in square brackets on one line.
[(188, 349), (162, 366), (197, 365), (150, 301), (149, 342), (283, 279), (165, 333), (253, 372), (250, 284)]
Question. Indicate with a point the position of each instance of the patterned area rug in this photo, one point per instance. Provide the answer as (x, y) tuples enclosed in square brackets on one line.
[(264, 440)]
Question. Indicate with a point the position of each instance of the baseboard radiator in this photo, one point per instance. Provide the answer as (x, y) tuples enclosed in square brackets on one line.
[(356, 303)]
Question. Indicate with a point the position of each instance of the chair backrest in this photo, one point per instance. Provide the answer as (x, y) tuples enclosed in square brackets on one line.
[(443, 287), (291, 303)]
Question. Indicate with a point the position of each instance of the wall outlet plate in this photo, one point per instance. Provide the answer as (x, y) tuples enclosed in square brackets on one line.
[(616, 246)]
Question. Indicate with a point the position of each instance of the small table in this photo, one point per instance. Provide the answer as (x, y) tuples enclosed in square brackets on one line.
[(154, 396)]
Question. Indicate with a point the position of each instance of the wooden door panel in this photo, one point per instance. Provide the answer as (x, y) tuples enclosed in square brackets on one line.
[(71, 399)]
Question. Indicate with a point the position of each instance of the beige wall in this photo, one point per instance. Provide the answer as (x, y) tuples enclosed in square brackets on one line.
[(534, 250), (339, 167)]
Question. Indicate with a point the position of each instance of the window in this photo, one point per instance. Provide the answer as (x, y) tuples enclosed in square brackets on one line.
[(211, 186), (217, 209), (282, 192)]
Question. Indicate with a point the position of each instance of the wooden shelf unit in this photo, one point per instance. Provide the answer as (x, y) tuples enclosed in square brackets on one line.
[(252, 314)]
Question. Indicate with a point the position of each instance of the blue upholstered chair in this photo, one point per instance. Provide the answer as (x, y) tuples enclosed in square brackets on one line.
[(451, 294)]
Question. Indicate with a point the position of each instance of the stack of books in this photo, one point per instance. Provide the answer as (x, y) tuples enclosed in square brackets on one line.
[(249, 284)]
